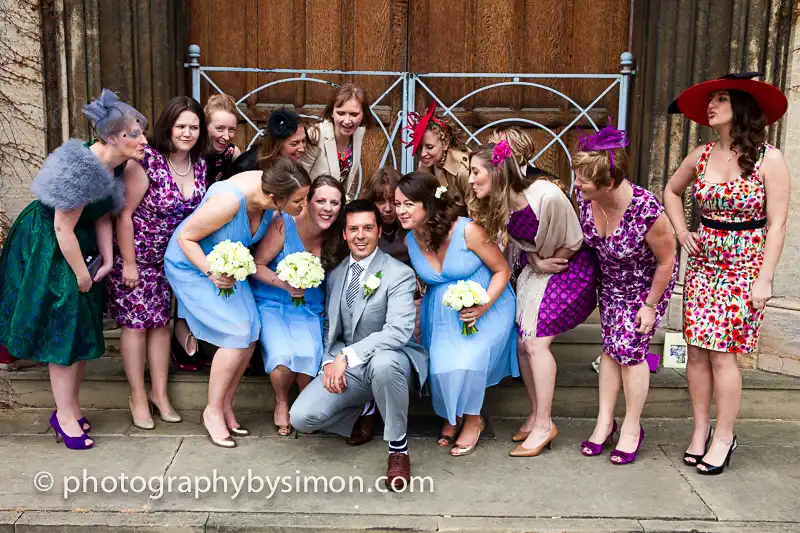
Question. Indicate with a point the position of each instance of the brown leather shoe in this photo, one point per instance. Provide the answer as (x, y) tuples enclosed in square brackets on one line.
[(398, 471), (362, 430)]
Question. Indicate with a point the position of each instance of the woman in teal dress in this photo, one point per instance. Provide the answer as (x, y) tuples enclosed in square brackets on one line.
[(237, 209), (444, 249), (291, 336), (51, 303)]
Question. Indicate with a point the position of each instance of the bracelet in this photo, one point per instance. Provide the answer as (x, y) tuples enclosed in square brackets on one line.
[(649, 306)]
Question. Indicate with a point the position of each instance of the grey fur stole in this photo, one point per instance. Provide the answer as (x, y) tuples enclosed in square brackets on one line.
[(72, 177)]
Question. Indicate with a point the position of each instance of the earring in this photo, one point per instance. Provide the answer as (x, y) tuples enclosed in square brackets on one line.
[(444, 156)]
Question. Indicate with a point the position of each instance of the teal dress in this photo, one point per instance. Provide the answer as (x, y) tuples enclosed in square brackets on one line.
[(43, 316), (291, 335), (230, 322), (462, 367)]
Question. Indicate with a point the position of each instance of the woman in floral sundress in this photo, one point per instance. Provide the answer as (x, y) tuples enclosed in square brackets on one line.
[(626, 226), (160, 192), (741, 186)]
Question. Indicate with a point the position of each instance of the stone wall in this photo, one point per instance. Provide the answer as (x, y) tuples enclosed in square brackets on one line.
[(779, 350), (22, 115)]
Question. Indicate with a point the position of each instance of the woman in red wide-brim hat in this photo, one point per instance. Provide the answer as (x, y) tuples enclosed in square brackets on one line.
[(741, 187)]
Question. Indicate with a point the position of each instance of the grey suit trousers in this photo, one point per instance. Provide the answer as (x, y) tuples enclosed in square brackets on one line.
[(386, 377)]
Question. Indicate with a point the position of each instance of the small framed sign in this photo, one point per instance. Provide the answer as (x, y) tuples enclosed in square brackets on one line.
[(674, 351)]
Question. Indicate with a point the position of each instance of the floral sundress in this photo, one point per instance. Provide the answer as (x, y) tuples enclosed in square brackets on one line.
[(718, 313)]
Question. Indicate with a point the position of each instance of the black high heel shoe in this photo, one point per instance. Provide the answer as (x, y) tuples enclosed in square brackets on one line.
[(712, 470), (697, 457)]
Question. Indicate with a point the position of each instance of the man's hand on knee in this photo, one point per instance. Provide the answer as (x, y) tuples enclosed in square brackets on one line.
[(333, 375)]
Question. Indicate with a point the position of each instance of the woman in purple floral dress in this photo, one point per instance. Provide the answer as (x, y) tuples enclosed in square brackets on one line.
[(160, 192), (555, 274), (627, 227)]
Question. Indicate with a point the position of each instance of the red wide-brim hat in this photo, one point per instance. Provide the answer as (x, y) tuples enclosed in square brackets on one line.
[(693, 102)]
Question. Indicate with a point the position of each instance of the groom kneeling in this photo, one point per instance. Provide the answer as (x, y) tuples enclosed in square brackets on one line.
[(369, 357)]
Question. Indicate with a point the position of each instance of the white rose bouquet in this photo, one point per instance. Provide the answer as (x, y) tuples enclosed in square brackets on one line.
[(301, 270), (231, 259), (462, 295)]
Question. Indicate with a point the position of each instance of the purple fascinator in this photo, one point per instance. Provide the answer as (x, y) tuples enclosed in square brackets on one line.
[(501, 152), (607, 138)]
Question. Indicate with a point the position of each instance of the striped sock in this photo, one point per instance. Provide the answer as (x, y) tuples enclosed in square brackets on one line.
[(399, 446), (369, 408)]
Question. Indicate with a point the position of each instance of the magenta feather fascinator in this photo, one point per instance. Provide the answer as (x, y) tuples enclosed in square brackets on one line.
[(607, 138)]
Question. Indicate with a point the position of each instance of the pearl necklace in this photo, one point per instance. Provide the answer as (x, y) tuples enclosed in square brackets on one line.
[(175, 170)]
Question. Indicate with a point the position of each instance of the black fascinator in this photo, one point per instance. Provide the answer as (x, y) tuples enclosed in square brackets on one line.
[(282, 123)]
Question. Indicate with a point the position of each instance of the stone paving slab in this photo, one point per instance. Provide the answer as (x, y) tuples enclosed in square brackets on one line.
[(318, 523), (487, 483), (22, 458), (78, 522), (487, 491), (761, 483), (7, 520), (537, 525), (676, 526)]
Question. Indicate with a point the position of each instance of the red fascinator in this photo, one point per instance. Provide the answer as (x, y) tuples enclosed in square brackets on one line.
[(417, 126)]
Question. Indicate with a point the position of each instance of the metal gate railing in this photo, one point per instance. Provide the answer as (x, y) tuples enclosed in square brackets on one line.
[(411, 83)]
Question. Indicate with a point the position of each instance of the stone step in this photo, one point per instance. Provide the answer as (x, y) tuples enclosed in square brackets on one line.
[(576, 346), (764, 396)]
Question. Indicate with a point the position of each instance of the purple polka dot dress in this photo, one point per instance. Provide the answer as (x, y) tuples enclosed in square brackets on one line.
[(627, 268), (163, 207), (570, 296)]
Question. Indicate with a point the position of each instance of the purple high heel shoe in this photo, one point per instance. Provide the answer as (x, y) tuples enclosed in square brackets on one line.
[(85, 422), (597, 449), (73, 443), (627, 457)]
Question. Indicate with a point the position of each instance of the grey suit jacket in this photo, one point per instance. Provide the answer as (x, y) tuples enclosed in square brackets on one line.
[(383, 321)]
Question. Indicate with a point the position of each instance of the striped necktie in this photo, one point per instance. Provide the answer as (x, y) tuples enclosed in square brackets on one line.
[(355, 279)]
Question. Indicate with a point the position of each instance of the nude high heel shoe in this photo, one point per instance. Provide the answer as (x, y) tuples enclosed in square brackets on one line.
[(522, 451)]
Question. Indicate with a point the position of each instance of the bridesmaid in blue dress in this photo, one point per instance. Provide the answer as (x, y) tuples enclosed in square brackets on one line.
[(291, 336), (239, 209), (444, 249)]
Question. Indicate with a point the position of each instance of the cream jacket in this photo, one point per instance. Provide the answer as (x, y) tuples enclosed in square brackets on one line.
[(322, 158)]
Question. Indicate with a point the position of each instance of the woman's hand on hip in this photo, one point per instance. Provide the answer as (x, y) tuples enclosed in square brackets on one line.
[(645, 319), (688, 240)]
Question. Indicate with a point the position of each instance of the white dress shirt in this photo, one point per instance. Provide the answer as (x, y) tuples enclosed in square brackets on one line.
[(353, 360)]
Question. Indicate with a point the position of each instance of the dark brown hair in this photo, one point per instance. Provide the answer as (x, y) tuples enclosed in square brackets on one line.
[(748, 130), (334, 247), (344, 93), (162, 131), (442, 212), (381, 185), (282, 177)]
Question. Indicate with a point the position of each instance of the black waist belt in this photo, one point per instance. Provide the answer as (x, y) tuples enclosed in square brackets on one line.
[(733, 226)]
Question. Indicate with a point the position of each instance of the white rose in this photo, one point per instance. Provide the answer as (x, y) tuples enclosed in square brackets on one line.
[(373, 282)]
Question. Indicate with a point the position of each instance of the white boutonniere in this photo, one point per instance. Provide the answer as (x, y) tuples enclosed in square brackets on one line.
[(440, 191), (371, 284)]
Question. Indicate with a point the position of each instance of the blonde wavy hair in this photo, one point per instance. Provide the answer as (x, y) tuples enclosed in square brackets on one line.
[(524, 149), (492, 212)]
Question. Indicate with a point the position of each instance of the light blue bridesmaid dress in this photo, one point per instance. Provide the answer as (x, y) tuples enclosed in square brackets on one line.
[(290, 336), (225, 322), (462, 367)]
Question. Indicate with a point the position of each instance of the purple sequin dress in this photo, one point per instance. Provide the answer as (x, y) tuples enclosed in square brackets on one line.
[(627, 267), (571, 296), (161, 210)]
